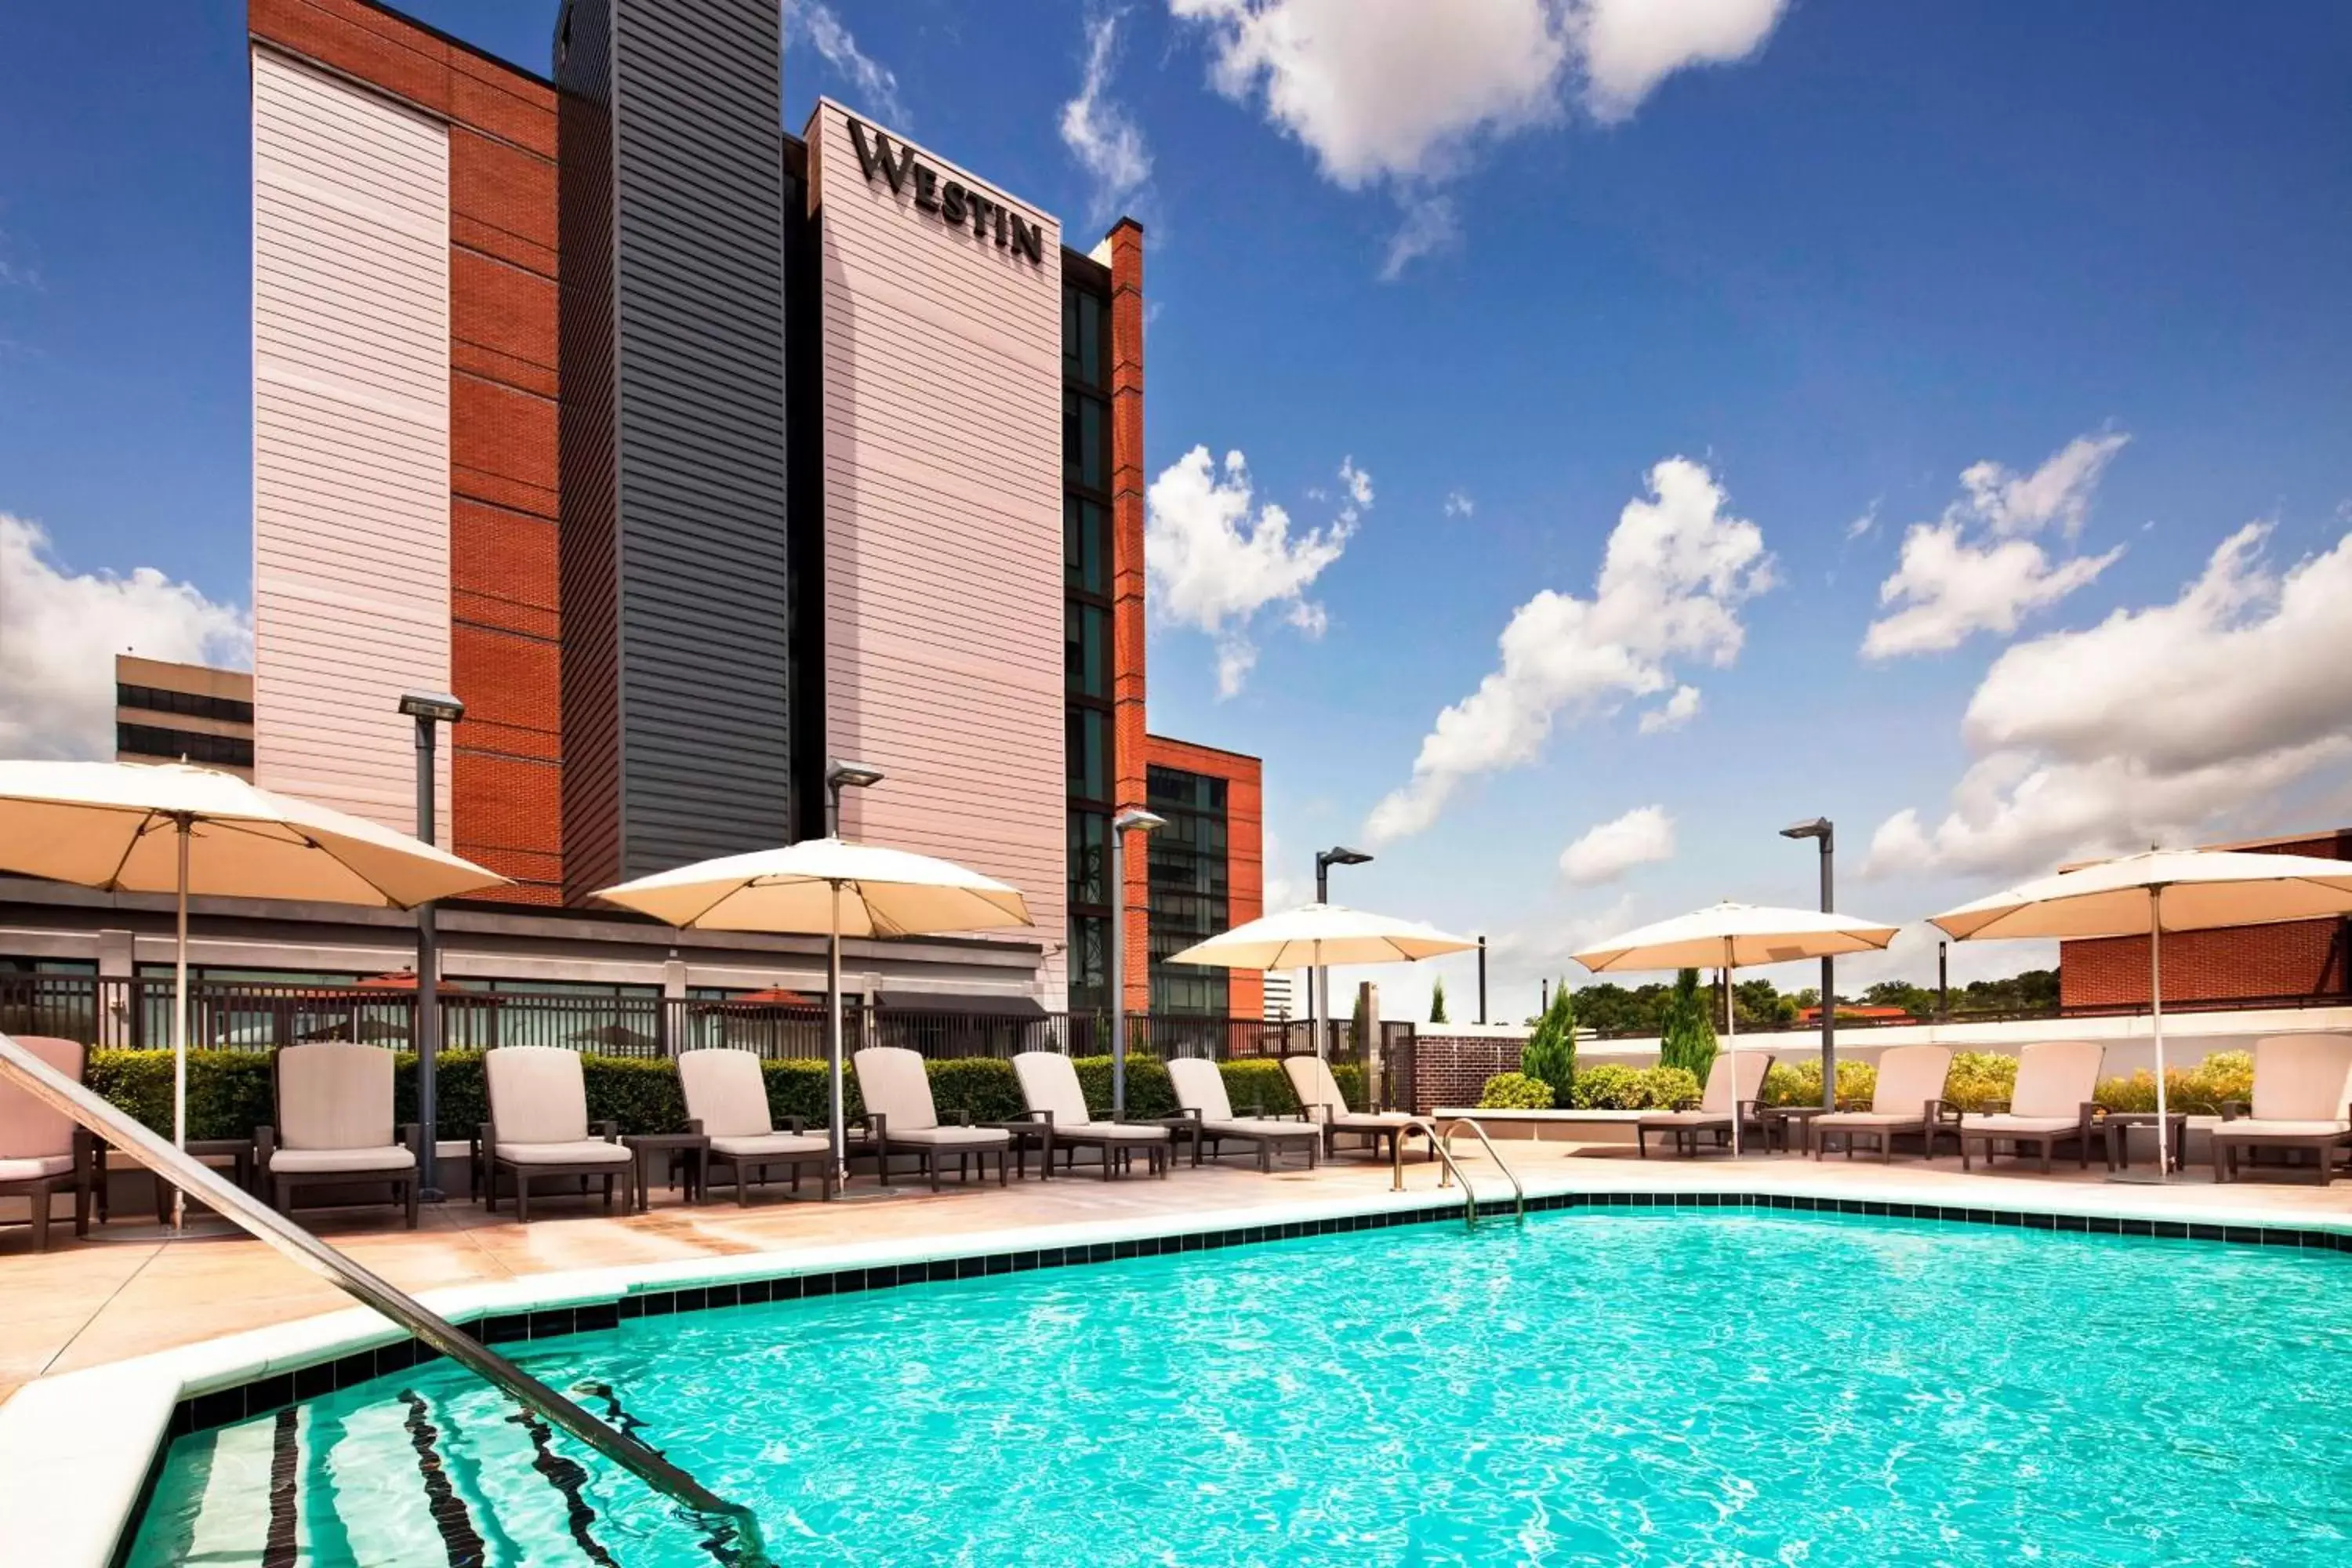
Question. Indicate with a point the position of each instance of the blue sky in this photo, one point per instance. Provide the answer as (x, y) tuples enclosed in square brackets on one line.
[(1832, 255)]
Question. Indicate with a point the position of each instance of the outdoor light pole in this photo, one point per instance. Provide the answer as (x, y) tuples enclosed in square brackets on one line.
[(838, 775), (1133, 819), (1943, 982), (1318, 990), (1821, 827), (431, 709), (1482, 980)]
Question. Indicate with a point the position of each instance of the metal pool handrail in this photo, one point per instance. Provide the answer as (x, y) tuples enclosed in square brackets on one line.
[(1445, 1139), (1453, 1171), (739, 1528)]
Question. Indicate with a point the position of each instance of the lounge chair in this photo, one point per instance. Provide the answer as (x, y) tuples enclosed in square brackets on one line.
[(2301, 1101), (1320, 1097), (334, 1126), (1057, 1103), (538, 1127), (1909, 1098), (2052, 1099), (727, 1102), (897, 1090), (1715, 1107), (1206, 1115), (45, 1152)]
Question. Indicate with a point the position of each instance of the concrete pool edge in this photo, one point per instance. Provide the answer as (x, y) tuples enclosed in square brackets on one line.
[(79, 1450)]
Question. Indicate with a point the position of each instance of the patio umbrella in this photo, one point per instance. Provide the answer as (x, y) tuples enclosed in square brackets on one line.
[(829, 886), (1314, 935), (136, 827), (2151, 893), (1731, 936)]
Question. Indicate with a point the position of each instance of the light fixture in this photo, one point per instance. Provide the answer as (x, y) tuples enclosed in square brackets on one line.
[(1134, 819), (436, 707)]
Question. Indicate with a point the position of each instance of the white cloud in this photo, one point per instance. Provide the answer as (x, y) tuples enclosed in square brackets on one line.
[(1676, 568), (1099, 134), (1402, 93), (1631, 46), (1641, 837), (1974, 569), (815, 23), (1459, 504), (1867, 523), (1677, 711), (59, 631), (2156, 725), (1216, 558)]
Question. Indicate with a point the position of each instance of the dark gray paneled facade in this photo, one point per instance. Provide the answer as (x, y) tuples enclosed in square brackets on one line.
[(699, 678)]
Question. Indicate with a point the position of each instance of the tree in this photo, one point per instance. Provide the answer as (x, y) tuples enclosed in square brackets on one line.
[(1550, 1053), (1915, 999), (1437, 1000), (1686, 1028), (1606, 1008)]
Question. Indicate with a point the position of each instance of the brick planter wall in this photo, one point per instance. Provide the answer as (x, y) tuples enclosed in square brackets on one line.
[(1451, 1069)]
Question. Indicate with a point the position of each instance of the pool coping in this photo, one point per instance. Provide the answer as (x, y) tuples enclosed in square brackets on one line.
[(79, 1450)]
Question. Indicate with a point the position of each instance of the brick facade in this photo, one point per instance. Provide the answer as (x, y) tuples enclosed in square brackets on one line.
[(1129, 746), (505, 615), (1244, 859), (2297, 958), (1452, 1069)]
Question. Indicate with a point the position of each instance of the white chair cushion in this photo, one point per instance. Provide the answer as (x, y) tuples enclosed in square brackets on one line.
[(725, 1091), (29, 1129), (576, 1151), (1200, 1086), (1688, 1118), (334, 1096), (951, 1137), (33, 1168), (2056, 1077), (1110, 1132), (2282, 1129), (771, 1145), (1868, 1119), (309, 1162), (1356, 1121), (2302, 1078), (1259, 1127), (1049, 1082), (537, 1095), (1750, 1067), (1318, 1090), (1908, 1078), (2028, 1125), (892, 1082)]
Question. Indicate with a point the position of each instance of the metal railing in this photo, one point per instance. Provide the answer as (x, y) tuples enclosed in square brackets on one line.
[(1450, 1169), (734, 1527)]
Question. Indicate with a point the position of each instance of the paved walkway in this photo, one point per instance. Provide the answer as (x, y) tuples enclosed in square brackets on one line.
[(85, 1303)]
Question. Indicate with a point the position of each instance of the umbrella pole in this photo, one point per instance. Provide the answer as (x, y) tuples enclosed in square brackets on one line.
[(835, 1110), (1731, 1046), (2155, 1008), (180, 1023)]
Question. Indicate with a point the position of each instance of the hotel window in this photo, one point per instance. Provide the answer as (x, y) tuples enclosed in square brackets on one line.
[(189, 704), (1086, 742), (1086, 334), (1085, 545), (174, 745), (1087, 661), (1085, 651)]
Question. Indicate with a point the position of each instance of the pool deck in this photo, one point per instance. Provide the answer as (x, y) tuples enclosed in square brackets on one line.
[(107, 1337)]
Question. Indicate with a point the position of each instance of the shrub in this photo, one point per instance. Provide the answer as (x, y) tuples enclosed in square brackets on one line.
[(1611, 1086), (1686, 1028), (1663, 1089), (1437, 1000), (1981, 1080), (1799, 1083), (2199, 1090), (1515, 1091), (228, 1091), (1149, 1094), (1551, 1055)]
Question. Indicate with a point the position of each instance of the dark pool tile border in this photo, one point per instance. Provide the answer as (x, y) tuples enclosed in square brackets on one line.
[(266, 1394)]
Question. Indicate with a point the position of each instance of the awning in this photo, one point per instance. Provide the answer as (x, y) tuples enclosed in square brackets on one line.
[(993, 1005)]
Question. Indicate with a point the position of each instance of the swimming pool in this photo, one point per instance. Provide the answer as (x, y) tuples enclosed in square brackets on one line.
[(1600, 1386)]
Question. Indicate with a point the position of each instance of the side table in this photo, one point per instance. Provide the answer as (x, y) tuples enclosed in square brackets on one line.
[(1778, 1119), (2176, 1135), (694, 1148)]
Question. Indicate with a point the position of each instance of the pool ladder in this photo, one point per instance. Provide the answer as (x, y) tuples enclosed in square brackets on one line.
[(1441, 1142), (737, 1535)]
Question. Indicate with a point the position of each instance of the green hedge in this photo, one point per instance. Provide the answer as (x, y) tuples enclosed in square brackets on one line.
[(1515, 1091), (229, 1092), (1612, 1085)]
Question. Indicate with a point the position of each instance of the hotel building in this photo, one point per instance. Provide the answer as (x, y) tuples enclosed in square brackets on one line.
[(689, 453)]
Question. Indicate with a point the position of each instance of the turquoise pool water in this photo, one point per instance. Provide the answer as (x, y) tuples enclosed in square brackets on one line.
[(1617, 1388)]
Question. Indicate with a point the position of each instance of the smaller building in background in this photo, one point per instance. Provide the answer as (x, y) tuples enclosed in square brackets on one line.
[(2291, 961), (182, 712), (1205, 875)]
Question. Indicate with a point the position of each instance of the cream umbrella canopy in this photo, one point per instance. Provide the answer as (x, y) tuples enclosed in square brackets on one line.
[(2153, 892), (1314, 935), (137, 827), (1733, 936), (833, 888)]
